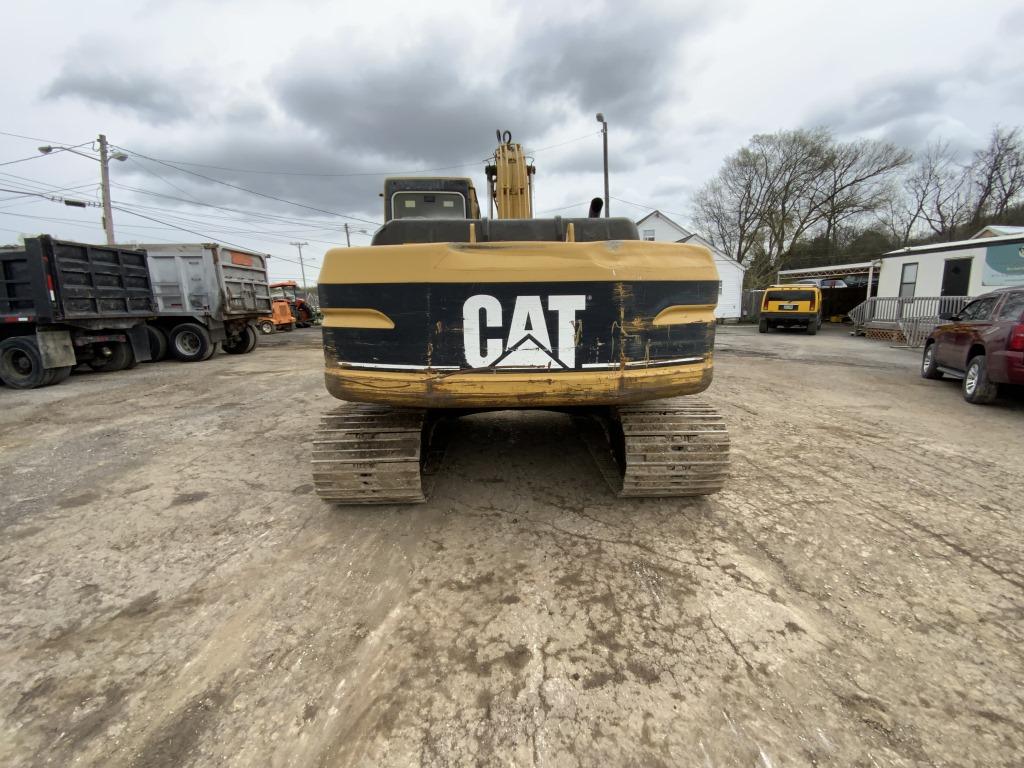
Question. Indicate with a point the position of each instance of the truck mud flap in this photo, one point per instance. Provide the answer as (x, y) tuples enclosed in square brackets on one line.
[(56, 349), (138, 337)]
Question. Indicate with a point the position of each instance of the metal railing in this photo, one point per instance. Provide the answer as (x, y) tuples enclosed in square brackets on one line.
[(891, 309), (914, 317)]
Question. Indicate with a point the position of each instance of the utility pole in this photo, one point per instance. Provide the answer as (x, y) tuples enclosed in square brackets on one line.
[(302, 267), (104, 158), (108, 213), (348, 240), (604, 133)]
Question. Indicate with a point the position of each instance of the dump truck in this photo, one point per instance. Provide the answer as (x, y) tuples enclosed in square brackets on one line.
[(447, 314), (207, 295), (64, 303)]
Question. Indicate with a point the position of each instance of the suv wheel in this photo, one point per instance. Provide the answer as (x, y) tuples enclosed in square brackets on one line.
[(977, 388), (929, 368)]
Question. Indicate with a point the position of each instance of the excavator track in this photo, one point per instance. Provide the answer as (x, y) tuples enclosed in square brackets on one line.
[(674, 447), (370, 454)]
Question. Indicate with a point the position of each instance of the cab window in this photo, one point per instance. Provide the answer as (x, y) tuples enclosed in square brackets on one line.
[(428, 205), (1013, 307), (979, 310), (789, 296)]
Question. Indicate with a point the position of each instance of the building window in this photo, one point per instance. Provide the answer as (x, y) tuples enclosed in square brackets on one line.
[(648, 234), (908, 281)]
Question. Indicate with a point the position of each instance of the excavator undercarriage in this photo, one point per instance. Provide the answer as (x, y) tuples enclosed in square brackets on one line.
[(372, 454)]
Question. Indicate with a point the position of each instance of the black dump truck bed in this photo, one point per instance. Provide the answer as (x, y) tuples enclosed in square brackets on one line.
[(54, 281)]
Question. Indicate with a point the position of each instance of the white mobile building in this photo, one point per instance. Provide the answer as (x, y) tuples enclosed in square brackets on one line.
[(658, 227), (962, 268)]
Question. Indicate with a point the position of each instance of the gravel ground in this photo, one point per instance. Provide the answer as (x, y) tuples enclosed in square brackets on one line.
[(174, 594)]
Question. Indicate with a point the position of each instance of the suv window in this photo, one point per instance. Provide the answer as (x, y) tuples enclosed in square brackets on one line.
[(980, 309), (1013, 307)]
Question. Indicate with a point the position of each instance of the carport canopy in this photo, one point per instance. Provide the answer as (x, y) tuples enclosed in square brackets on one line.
[(824, 272)]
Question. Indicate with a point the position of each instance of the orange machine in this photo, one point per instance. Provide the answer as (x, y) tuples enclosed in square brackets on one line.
[(281, 319), (287, 290)]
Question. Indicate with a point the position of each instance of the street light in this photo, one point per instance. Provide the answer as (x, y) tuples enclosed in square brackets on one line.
[(604, 132), (108, 216)]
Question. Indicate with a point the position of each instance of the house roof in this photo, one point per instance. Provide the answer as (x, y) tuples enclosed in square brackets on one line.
[(998, 230), (694, 237), (690, 237), (661, 215), (956, 245)]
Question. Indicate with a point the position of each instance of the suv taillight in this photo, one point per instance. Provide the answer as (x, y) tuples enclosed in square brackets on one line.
[(1016, 342)]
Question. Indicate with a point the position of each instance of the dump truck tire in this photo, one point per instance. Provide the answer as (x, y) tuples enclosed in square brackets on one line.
[(21, 365), (191, 343), (157, 344), (121, 357), (57, 375)]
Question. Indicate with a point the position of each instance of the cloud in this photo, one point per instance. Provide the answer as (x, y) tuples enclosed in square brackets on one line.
[(152, 97), (881, 104), (430, 104), (622, 64)]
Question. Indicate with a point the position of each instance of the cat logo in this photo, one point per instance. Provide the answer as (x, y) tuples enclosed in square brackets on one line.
[(526, 342)]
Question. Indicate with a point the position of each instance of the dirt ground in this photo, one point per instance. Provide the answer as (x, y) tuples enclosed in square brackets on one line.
[(174, 593)]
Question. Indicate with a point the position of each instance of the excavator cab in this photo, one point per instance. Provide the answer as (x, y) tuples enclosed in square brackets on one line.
[(442, 316)]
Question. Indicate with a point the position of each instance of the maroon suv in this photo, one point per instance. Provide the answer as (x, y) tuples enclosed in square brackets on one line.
[(983, 345)]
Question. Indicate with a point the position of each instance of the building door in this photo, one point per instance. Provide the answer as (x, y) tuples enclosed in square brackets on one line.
[(956, 277)]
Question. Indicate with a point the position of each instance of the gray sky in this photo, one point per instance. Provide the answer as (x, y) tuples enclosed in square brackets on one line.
[(327, 97)]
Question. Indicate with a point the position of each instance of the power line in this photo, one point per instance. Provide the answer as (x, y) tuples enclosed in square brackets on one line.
[(183, 229), (280, 236), (49, 153), (563, 143), (562, 208), (36, 138), (319, 174), (253, 191), (240, 211), (650, 207)]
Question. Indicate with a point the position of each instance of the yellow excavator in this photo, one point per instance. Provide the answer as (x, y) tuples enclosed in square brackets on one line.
[(447, 314)]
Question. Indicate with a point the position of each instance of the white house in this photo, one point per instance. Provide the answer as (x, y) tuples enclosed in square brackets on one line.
[(658, 227), (962, 268)]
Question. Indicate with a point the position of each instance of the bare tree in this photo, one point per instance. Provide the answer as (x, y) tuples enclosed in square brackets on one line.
[(856, 182), (788, 185), (997, 174), (947, 188)]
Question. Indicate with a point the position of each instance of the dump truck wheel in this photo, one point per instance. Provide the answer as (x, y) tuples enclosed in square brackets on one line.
[(254, 339), (21, 365), (266, 327), (157, 344), (244, 342), (58, 375), (120, 357), (191, 343)]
